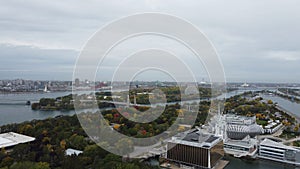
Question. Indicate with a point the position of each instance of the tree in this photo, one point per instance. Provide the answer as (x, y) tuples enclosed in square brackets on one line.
[(296, 128), (35, 106), (94, 151), (7, 161), (77, 142), (124, 146), (20, 151), (30, 165), (63, 144), (72, 162)]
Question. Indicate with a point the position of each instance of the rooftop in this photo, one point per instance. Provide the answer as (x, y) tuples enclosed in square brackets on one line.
[(271, 143), (242, 120), (247, 142), (12, 139), (70, 152), (196, 138)]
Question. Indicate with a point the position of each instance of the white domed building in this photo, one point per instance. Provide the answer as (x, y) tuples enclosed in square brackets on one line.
[(240, 135), (235, 131)]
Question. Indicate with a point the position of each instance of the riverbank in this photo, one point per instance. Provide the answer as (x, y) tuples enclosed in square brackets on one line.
[(286, 105), (297, 117)]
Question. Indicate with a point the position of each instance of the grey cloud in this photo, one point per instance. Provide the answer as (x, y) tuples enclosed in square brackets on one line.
[(256, 40)]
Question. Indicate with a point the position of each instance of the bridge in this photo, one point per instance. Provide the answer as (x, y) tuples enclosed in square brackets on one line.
[(119, 103), (16, 102)]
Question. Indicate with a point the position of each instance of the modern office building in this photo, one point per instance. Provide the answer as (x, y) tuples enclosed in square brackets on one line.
[(195, 149), (239, 136), (279, 152)]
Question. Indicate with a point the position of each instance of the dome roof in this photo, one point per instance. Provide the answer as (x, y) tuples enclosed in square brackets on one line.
[(241, 131)]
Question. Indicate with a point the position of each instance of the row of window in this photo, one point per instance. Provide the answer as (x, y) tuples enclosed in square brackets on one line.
[(274, 151), (236, 147), (188, 154), (273, 147), (271, 155)]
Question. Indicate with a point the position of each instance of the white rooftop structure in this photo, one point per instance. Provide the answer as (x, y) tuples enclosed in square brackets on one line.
[(241, 148), (12, 139), (240, 120), (71, 151)]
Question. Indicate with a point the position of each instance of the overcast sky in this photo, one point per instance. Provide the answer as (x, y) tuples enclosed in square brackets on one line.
[(257, 41)]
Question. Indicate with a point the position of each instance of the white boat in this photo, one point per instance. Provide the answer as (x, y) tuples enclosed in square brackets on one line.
[(46, 89)]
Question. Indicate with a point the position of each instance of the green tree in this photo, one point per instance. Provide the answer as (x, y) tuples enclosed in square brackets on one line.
[(30, 165), (7, 161)]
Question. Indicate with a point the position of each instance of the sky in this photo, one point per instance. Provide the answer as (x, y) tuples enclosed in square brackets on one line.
[(256, 40)]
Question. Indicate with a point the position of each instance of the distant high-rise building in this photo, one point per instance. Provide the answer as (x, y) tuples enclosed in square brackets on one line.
[(77, 82)]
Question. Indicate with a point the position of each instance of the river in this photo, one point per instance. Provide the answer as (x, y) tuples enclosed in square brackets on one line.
[(284, 103), (235, 163), (14, 110)]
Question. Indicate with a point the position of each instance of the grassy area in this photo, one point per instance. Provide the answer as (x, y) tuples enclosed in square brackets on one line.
[(262, 122), (296, 143), (288, 135)]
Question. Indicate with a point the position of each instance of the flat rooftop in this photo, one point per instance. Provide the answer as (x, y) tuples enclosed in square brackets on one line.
[(195, 137), (274, 144), (237, 119), (71, 151), (12, 139)]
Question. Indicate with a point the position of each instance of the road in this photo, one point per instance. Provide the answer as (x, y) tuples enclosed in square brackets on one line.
[(292, 140)]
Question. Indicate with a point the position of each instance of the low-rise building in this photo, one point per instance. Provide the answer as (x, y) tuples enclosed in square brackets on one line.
[(241, 132), (239, 120), (8, 140), (272, 127), (70, 152), (271, 150), (241, 148)]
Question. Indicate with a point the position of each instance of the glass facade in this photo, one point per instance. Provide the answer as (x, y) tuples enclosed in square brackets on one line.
[(188, 154)]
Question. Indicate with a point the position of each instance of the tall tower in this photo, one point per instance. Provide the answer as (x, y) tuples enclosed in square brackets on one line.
[(128, 100), (220, 124), (134, 100), (77, 82)]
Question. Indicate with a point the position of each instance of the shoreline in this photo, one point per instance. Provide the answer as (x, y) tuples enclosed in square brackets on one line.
[(34, 92), (289, 113)]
